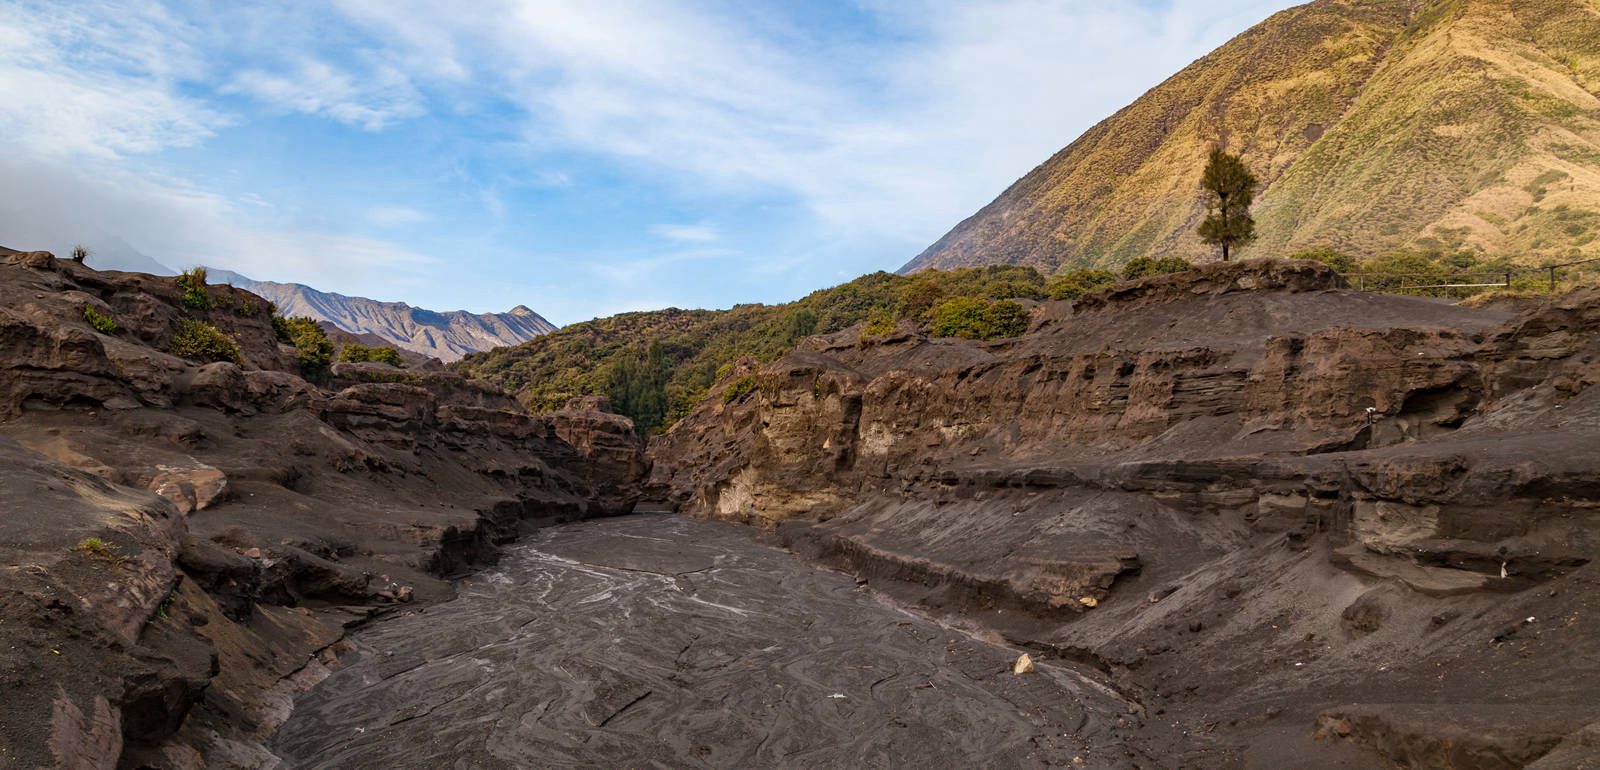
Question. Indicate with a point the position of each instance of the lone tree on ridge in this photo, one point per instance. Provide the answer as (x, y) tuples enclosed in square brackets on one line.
[(1233, 187)]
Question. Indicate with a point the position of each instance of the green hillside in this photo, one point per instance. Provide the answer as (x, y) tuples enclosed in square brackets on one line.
[(655, 365), (1373, 126)]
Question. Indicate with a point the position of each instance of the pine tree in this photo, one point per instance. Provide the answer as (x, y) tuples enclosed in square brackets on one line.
[(1233, 187)]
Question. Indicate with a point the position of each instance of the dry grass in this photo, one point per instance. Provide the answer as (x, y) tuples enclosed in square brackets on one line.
[(100, 550)]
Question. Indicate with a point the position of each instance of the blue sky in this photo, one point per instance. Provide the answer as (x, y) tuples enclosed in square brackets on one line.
[(581, 157)]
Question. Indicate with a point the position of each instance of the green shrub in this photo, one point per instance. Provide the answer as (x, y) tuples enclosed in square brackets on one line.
[(247, 308), (193, 283), (100, 549), (203, 342), (919, 298), (1080, 282), (310, 342), (1172, 265), (1338, 260), (1142, 267), (964, 317), (880, 322), (737, 390), (354, 353), (1006, 319), (101, 323), (1137, 268)]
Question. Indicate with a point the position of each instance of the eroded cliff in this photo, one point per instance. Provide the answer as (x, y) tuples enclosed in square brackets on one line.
[(1264, 502), (184, 544)]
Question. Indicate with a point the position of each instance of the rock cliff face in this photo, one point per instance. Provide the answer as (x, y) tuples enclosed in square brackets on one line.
[(185, 543), (1251, 494)]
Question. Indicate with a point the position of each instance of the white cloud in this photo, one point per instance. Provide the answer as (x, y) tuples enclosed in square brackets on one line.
[(396, 216), (181, 225), (902, 135), (314, 87), (700, 233), (77, 82)]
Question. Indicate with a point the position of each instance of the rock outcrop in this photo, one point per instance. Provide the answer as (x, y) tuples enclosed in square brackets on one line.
[(185, 543), (1241, 489)]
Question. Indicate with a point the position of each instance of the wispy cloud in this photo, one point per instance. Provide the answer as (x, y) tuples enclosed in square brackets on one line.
[(700, 233), (315, 87), (75, 83), (395, 216)]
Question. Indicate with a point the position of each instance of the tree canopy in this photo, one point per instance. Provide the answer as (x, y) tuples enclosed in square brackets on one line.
[(1233, 189)]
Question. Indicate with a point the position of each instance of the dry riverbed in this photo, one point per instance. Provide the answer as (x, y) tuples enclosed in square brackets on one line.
[(660, 641)]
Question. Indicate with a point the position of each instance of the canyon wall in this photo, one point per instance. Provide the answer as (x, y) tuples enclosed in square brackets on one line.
[(184, 544), (1243, 490)]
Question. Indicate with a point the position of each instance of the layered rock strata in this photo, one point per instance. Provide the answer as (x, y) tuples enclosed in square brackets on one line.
[(184, 544), (1249, 492)]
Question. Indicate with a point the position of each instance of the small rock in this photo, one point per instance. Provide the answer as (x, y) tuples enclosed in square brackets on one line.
[(1195, 626), (1089, 601), (1024, 665), (251, 553)]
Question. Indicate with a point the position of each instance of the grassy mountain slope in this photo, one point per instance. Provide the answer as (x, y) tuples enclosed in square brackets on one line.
[(1372, 126)]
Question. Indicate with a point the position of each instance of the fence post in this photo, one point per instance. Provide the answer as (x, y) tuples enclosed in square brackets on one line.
[(1508, 280)]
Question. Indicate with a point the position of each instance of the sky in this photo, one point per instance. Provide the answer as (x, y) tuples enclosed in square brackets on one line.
[(580, 157)]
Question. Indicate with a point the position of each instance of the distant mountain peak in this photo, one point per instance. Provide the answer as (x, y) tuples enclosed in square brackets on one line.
[(447, 336)]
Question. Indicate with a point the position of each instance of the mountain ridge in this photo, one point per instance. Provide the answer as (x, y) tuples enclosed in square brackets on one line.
[(445, 335), (1373, 126)]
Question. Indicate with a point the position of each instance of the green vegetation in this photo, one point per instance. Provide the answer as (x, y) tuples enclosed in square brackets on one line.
[(199, 341), (102, 323), (101, 550), (1080, 282), (737, 390), (80, 253), (655, 365), (1333, 258), (1540, 185), (354, 353), (311, 344), (1140, 267), (193, 283), (1233, 188), (1430, 267), (976, 319), (961, 317), (881, 321)]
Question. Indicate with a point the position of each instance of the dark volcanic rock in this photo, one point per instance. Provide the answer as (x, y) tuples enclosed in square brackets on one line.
[(182, 538), (1256, 427)]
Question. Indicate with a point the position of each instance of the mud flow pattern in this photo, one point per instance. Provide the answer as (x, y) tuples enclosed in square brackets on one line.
[(661, 641)]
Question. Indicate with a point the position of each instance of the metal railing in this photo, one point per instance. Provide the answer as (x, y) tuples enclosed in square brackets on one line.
[(1361, 279)]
